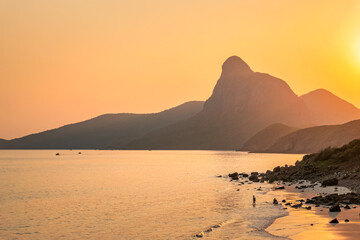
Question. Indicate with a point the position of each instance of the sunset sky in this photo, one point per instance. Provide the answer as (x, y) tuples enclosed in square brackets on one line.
[(64, 61)]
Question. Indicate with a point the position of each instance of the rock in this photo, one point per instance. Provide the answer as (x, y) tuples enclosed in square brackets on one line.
[(308, 208), (57, 154), (79, 152), (219, 176), (334, 221), (199, 235), (283, 200), (254, 173), (244, 174), (287, 204), (346, 220), (275, 201), (335, 208), (330, 182), (234, 176), (347, 207), (238, 190), (279, 188), (254, 178)]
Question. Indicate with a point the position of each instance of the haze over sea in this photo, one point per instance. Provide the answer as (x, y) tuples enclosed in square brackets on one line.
[(132, 194)]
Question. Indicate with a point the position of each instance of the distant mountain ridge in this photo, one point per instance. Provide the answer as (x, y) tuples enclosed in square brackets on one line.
[(240, 113), (314, 139), (328, 108), (105, 131)]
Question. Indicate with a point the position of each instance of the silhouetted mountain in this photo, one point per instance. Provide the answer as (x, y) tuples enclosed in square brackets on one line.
[(328, 108), (243, 102), (267, 137), (314, 139), (104, 131)]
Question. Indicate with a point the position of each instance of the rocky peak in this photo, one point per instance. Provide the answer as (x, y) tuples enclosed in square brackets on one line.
[(235, 67)]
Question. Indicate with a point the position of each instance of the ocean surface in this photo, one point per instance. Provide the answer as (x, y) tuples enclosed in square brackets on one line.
[(133, 194)]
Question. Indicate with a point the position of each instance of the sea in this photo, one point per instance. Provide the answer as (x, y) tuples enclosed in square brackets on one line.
[(105, 194)]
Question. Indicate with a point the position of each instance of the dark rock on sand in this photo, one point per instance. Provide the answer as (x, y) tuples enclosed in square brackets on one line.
[(347, 207), (234, 176), (346, 220), (279, 188), (335, 208), (330, 182), (334, 221), (200, 235), (254, 178)]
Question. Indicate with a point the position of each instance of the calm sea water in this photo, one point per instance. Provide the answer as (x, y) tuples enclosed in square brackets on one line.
[(132, 194)]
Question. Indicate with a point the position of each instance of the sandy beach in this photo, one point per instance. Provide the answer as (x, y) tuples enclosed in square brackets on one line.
[(302, 223)]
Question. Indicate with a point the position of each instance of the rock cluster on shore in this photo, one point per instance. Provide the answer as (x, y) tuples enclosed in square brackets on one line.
[(331, 167), (281, 174)]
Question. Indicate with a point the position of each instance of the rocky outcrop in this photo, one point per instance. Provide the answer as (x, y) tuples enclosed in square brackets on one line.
[(265, 138)]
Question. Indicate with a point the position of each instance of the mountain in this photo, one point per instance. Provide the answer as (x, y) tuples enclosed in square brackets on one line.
[(267, 137), (314, 139), (242, 103), (328, 108), (241, 111), (105, 131)]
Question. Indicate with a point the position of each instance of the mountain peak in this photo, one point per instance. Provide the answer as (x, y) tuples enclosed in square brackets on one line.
[(321, 91), (235, 66)]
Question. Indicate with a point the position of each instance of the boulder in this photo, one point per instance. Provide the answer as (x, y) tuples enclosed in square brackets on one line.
[(199, 235), (254, 178), (234, 176), (334, 221), (330, 182), (335, 208)]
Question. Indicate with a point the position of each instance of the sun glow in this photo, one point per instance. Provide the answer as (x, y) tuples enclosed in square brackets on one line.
[(357, 49)]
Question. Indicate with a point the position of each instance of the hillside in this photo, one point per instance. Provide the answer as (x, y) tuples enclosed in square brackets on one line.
[(267, 137), (105, 131), (331, 166), (328, 108), (314, 139)]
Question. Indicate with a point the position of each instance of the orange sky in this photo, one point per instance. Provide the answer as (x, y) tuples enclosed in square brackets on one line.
[(65, 61)]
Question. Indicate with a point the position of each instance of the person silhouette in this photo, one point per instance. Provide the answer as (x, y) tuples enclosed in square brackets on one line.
[(254, 199)]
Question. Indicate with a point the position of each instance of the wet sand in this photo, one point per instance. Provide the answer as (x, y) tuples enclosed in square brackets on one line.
[(297, 225)]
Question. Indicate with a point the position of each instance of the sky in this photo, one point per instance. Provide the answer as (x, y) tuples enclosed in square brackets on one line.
[(64, 61)]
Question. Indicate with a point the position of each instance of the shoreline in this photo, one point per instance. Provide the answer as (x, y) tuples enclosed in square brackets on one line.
[(304, 218), (314, 223)]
